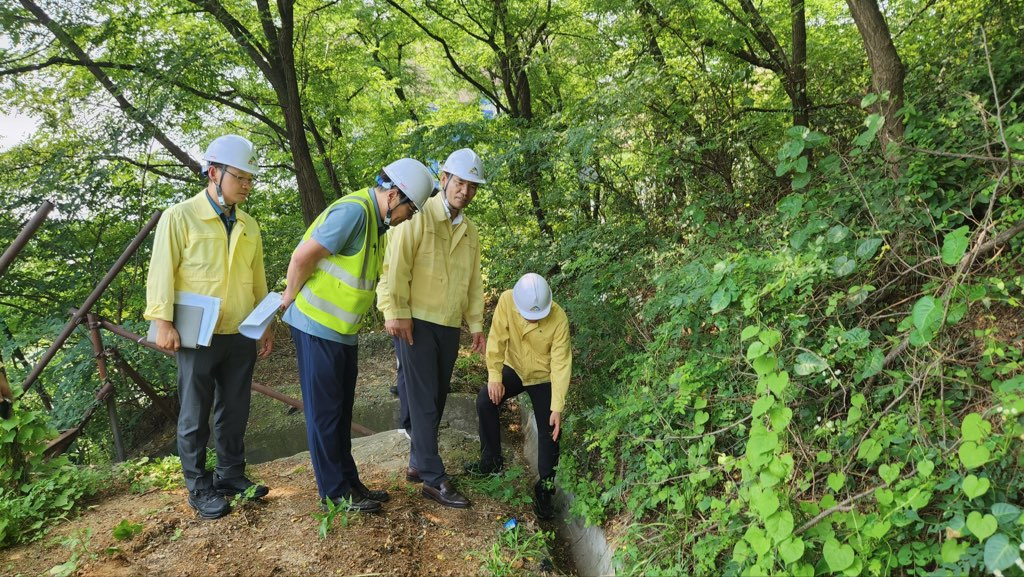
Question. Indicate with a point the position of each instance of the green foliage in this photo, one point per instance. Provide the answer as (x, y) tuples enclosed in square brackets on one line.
[(333, 511), (511, 486), (34, 491), (126, 530), (79, 545), (144, 473), (515, 552)]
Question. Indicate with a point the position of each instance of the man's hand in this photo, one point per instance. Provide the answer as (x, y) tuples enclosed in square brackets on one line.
[(266, 344), (167, 336), (401, 328), (479, 344), (496, 392), (556, 424), (287, 298)]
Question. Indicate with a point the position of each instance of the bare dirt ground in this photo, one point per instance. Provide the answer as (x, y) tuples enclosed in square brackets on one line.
[(279, 534)]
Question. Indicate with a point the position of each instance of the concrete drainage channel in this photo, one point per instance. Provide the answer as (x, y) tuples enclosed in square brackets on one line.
[(591, 552)]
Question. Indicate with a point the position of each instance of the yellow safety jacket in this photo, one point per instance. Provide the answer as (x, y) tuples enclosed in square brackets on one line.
[(342, 288)]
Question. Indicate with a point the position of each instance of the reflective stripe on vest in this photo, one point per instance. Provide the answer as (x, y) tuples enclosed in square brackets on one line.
[(342, 288)]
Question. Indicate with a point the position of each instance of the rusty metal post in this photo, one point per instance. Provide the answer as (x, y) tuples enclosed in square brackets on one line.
[(26, 233), (107, 390), (160, 402), (89, 302)]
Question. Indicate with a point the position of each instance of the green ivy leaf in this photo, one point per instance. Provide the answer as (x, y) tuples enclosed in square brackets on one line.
[(981, 526), (764, 364), (868, 248), (837, 233), (888, 473), (801, 180), (927, 314), (791, 550), (126, 530), (720, 300), (780, 525), (925, 468), (837, 556), (872, 364), (777, 382), (952, 551), (1005, 512), (973, 455), (869, 450), (955, 245), (809, 363), (999, 553), (843, 265), (975, 487), (756, 349), (836, 481), (765, 503), (975, 428), (757, 539), (770, 337), (749, 332), (762, 405)]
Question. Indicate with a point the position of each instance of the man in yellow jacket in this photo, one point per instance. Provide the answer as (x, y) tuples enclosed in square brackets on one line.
[(431, 283), (528, 349), (332, 278), (207, 245)]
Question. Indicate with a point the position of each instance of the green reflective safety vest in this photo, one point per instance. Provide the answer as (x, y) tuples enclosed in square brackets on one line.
[(342, 288)]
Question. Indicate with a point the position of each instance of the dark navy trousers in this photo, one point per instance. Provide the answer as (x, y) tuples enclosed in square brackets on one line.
[(403, 404), (327, 374)]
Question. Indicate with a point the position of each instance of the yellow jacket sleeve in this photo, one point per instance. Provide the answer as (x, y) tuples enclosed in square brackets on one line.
[(497, 338), (162, 266), (474, 313), (561, 362), (393, 290)]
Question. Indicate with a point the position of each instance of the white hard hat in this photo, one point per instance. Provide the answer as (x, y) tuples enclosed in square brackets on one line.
[(412, 178), (532, 296), (465, 164), (232, 150)]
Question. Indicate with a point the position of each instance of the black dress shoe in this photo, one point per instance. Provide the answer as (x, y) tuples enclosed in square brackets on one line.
[(237, 486), (413, 475), (366, 493), (353, 502), (446, 495)]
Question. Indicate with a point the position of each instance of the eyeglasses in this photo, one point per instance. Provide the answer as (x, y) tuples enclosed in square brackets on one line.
[(410, 202), (243, 180)]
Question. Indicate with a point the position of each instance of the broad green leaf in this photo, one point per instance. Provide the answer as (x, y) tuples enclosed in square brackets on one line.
[(777, 382), (1005, 512), (868, 248), (765, 364), (1000, 553), (925, 468), (952, 550), (756, 349), (758, 540), (801, 180), (780, 417), (955, 245), (779, 526), (869, 450), (927, 314), (809, 363), (836, 481), (749, 332), (720, 300), (791, 550), (888, 473), (837, 556), (975, 487), (770, 337), (843, 265), (837, 233), (975, 428), (872, 364), (981, 526), (762, 405), (765, 503), (973, 455)]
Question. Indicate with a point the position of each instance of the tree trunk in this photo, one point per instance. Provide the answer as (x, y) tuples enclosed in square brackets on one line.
[(798, 66), (887, 70)]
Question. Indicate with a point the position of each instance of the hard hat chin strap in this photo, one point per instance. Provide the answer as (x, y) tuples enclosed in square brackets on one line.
[(220, 193)]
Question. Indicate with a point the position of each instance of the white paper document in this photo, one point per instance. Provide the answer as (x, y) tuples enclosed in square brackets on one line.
[(195, 317), (259, 319)]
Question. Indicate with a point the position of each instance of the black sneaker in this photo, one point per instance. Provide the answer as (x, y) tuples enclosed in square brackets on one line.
[(208, 503), (238, 485), (354, 503), (361, 490), (479, 469)]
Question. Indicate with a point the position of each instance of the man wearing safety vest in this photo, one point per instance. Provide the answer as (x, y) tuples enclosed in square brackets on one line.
[(207, 245), (528, 349), (431, 283), (332, 279)]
